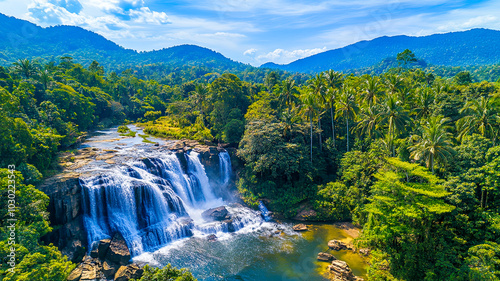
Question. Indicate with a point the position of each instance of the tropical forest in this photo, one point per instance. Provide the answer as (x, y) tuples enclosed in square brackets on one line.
[(144, 169)]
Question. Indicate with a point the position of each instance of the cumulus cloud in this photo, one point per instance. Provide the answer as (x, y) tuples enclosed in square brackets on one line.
[(284, 56), (116, 13), (249, 52)]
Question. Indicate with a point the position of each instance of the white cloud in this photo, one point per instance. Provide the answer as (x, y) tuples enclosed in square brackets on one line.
[(249, 52), (284, 56)]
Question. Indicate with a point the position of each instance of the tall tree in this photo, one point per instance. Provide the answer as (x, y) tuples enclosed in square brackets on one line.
[(347, 107), (369, 120), (403, 214), (308, 101), (333, 81), (25, 67), (317, 87), (482, 116), (199, 95), (406, 57), (371, 90), (434, 144), (287, 93), (395, 117)]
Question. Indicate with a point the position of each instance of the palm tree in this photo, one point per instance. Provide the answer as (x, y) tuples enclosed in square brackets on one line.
[(199, 96), (347, 107), (433, 145), (45, 78), (317, 87), (287, 93), (482, 115), (25, 68), (308, 101), (372, 89), (369, 121), (396, 118), (288, 120), (393, 83), (333, 82), (425, 99)]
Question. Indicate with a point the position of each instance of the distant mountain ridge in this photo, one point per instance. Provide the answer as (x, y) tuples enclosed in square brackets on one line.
[(21, 39), (465, 48)]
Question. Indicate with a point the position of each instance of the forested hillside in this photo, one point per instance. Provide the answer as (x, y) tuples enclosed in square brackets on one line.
[(20, 39), (411, 157), (467, 48)]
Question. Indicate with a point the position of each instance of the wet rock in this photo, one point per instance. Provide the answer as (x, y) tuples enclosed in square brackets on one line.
[(89, 272), (75, 275), (325, 257), (109, 269), (230, 225), (341, 271), (337, 245), (103, 247), (212, 237), (299, 227), (118, 251), (216, 214), (66, 213), (128, 272), (364, 252)]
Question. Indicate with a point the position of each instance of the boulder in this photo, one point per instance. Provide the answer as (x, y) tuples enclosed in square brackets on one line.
[(337, 245), (125, 273), (89, 271), (75, 274), (325, 257), (216, 214), (109, 269), (230, 225), (212, 238), (118, 251), (299, 227), (341, 271), (103, 247)]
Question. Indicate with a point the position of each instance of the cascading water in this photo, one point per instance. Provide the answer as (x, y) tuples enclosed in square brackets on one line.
[(225, 167), (264, 211), (156, 200)]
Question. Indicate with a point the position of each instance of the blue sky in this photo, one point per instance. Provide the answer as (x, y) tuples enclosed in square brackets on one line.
[(257, 31)]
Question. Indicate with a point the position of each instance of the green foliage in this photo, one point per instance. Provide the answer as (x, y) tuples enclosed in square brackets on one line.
[(406, 205), (334, 202), (33, 261), (483, 262), (167, 273)]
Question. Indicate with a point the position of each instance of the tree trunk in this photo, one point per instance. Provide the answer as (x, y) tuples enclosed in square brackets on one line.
[(310, 117), (320, 140), (432, 163), (482, 197), (333, 126), (347, 121)]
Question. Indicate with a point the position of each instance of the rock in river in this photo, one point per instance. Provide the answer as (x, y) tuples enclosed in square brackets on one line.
[(325, 257), (300, 227), (216, 214)]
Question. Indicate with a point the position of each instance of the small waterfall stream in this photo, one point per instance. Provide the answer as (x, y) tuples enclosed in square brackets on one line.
[(157, 200), (225, 167)]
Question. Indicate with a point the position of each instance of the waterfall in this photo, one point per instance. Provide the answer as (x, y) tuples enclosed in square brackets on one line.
[(225, 167), (156, 200), (264, 211)]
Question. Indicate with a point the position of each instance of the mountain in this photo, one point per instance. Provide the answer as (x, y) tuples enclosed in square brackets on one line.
[(21, 39), (466, 48)]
